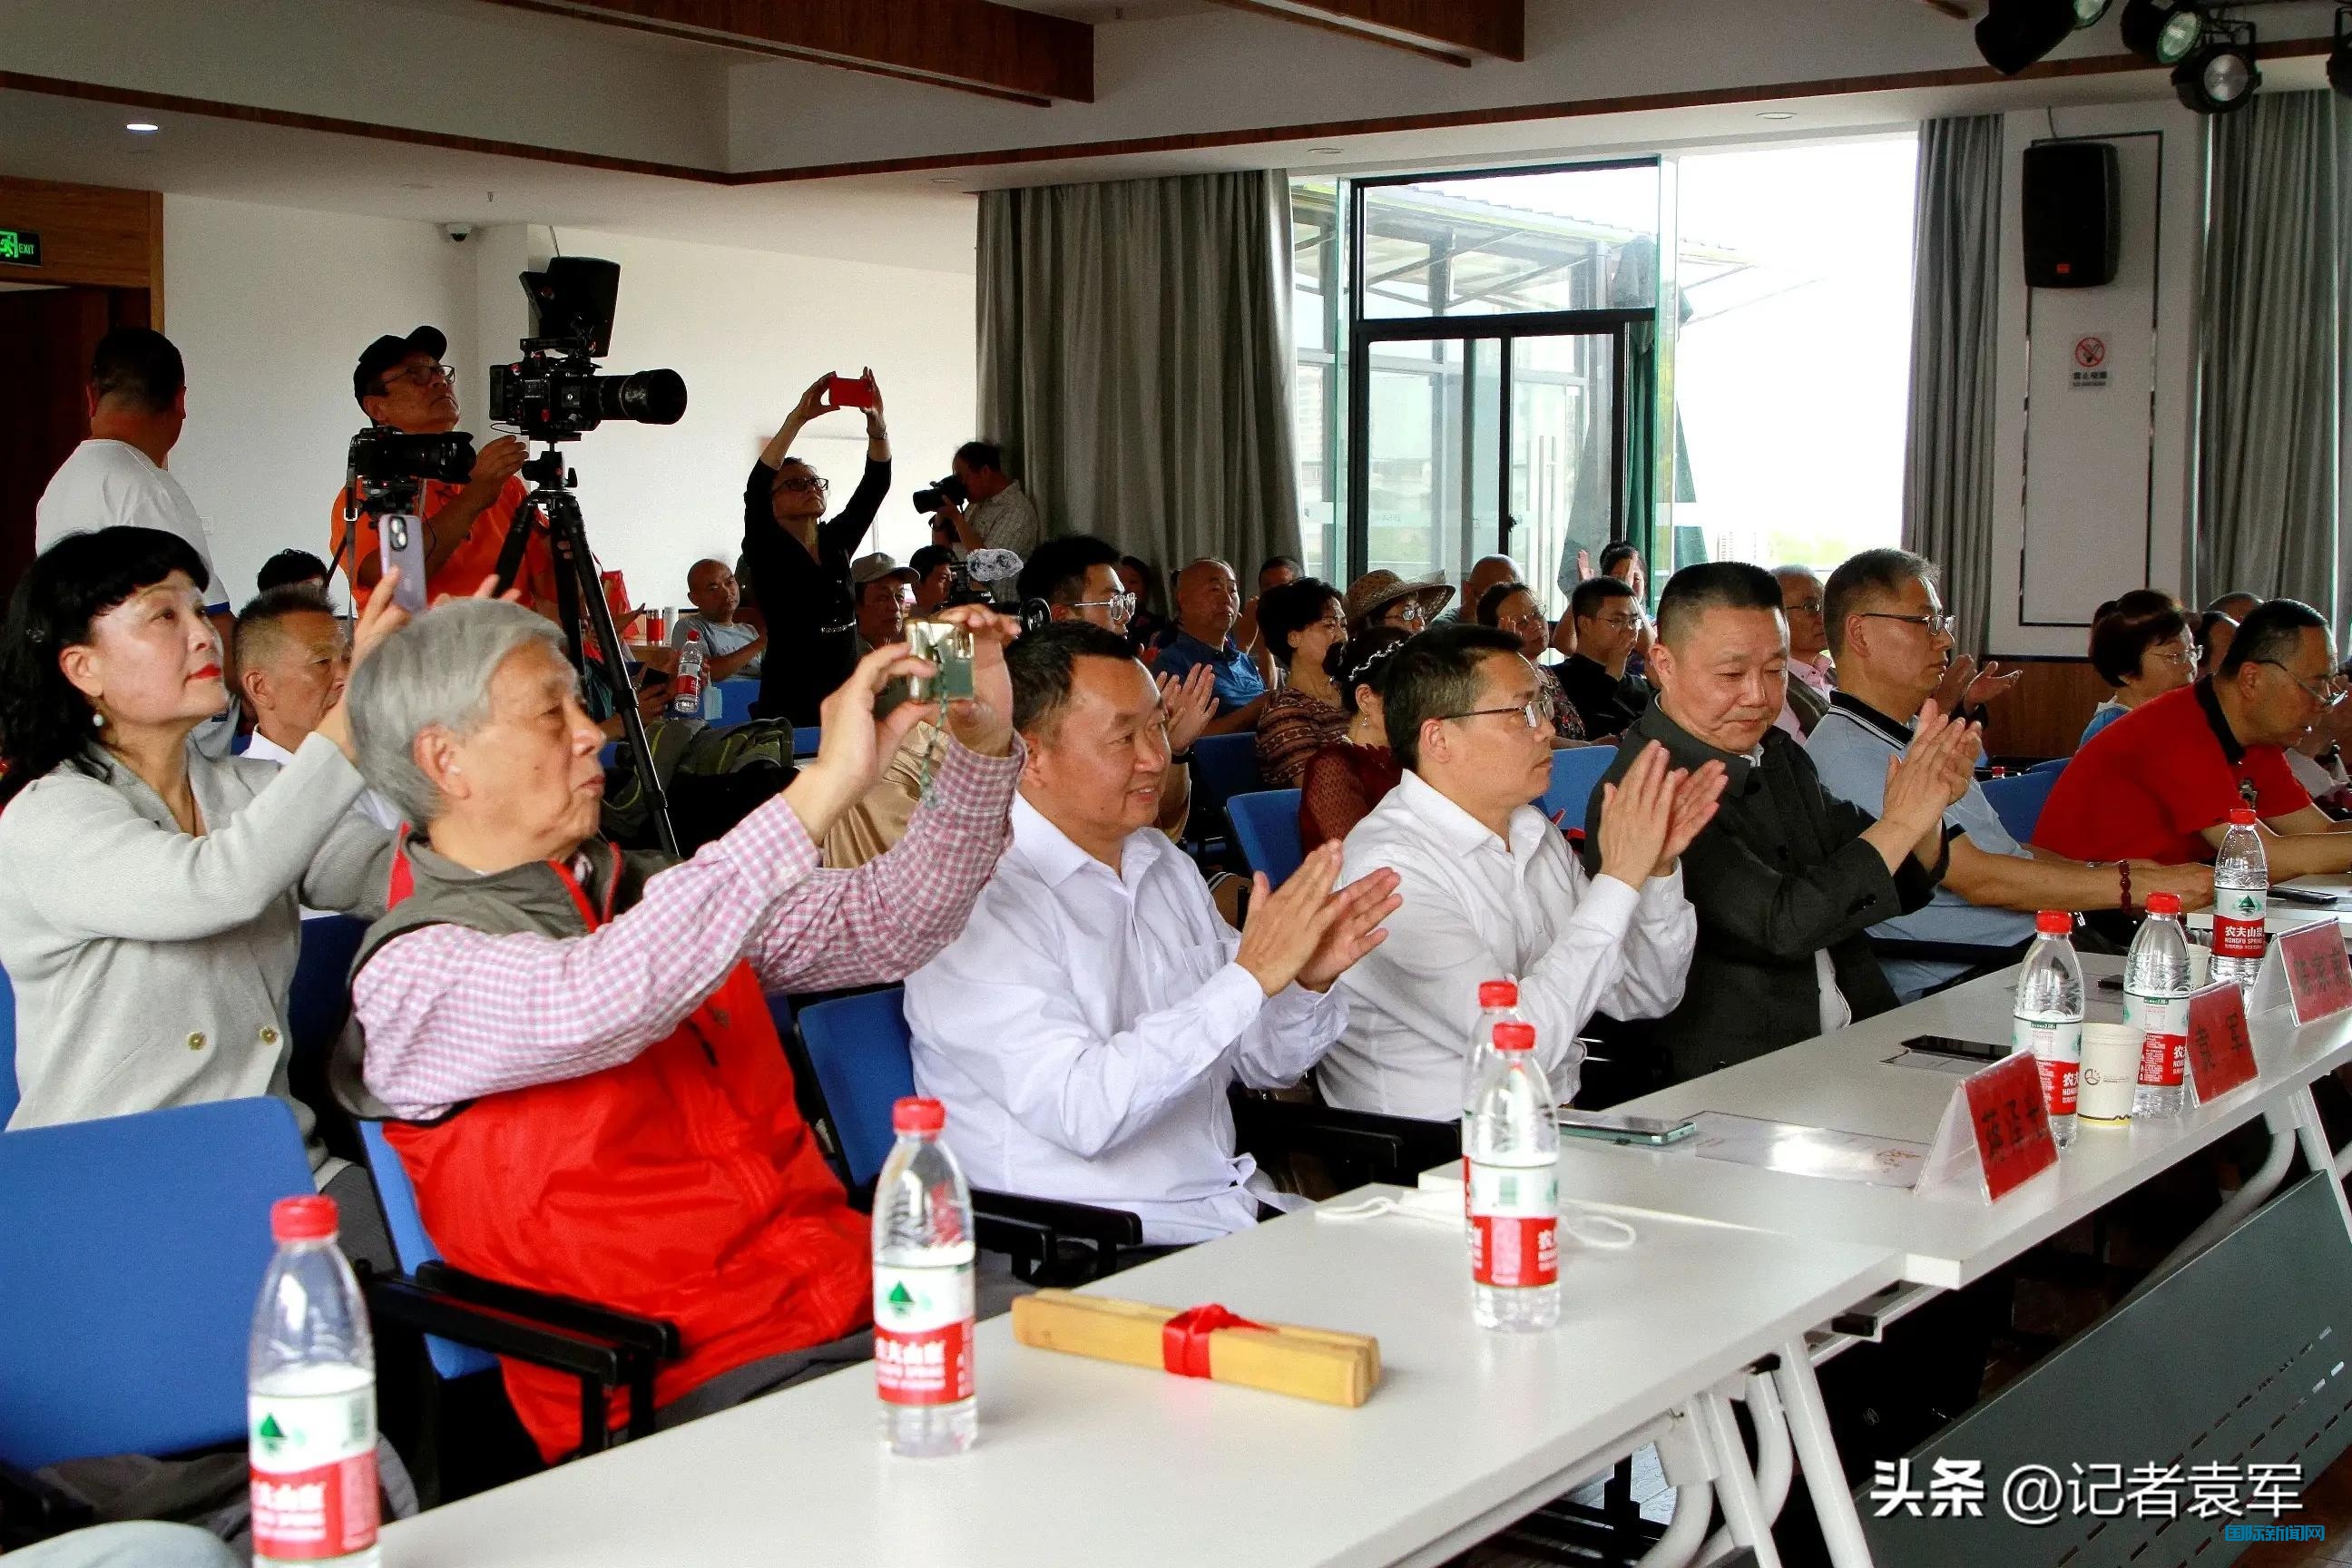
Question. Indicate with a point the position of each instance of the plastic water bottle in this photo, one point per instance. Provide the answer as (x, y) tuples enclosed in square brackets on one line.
[(310, 1400), (1498, 1002), (685, 686), (924, 1302), (2241, 896), (1514, 1149), (2049, 1018), (2156, 1004)]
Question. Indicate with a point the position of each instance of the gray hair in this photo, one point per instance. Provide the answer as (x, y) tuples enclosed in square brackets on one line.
[(433, 672)]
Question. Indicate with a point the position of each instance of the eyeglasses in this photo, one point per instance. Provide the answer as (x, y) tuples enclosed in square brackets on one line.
[(1535, 711), (2179, 657), (1120, 606), (423, 375), (1805, 608), (2326, 696), (807, 482), (1410, 612), (1532, 619), (1936, 625), (1620, 623)]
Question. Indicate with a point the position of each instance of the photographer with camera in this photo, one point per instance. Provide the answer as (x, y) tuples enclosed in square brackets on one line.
[(402, 384), (994, 513), (800, 562)]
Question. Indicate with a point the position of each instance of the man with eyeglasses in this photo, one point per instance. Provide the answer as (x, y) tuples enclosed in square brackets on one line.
[(800, 562), (1810, 660), (1787, 879), (2161, 782), (1491, 889), (405, 384), (1892, 643), (1609, 622)]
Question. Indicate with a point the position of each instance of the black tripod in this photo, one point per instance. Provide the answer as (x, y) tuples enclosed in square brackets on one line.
[(579, 591)]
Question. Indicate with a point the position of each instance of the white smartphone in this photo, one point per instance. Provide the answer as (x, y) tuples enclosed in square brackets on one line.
[(400, 542)]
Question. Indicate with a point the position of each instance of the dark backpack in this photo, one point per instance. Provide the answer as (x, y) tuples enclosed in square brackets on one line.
[(715, 778)]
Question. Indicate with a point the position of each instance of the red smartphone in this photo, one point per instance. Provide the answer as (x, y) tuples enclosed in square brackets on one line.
[(850, 392)]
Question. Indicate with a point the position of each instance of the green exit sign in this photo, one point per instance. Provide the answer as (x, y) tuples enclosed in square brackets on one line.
[(20, 247)]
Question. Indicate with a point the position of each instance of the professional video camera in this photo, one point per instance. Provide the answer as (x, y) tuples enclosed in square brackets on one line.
[(387, 466), (554, 393), (941, 493)]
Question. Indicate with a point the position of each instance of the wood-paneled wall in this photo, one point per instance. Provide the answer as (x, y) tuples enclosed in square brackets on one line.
[(93, 235), (2043, 715)]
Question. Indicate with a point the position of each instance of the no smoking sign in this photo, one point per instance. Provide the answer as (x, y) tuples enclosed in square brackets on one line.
[(2090, 365)]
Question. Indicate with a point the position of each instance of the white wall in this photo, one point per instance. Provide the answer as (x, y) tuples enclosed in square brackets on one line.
[(2090, 487), (271, 305)]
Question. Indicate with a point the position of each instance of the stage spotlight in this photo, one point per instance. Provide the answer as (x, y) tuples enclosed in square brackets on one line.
[(2164, 31), (2088, 12), (2219, 78), (2016, 32)]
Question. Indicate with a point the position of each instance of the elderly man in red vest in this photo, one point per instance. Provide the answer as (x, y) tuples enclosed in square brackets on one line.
[(571, 1047)]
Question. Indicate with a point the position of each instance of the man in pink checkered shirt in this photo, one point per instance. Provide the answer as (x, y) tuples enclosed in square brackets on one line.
[(571, 1048)]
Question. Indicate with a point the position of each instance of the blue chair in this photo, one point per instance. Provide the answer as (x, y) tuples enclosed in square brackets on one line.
[(738, 693), (1265, 826), (415, 1248), (2053, 765), (1573, 775), (129, 1268), (8, 1093), (2019, 799), (862, 1057), (468, 1321), (805, 739), (607, 755)]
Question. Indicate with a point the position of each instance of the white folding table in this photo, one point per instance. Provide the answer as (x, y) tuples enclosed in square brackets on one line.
[(1080, 1462)]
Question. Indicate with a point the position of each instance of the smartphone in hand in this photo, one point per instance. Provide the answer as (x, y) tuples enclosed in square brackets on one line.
[(849, 391), (400, 541)]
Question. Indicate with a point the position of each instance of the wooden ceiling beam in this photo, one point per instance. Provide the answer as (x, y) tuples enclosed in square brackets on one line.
[(1456, 31), (975, 45)]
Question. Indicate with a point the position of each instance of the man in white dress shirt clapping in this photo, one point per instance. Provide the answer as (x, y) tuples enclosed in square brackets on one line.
[(1084, 1029), (1491, 889)]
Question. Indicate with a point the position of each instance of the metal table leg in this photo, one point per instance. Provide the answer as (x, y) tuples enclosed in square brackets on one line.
[(1743, 1510), (1808, 1428), (2313, 1139)]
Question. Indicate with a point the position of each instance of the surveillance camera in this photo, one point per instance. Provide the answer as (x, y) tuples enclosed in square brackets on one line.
[(457, 233)]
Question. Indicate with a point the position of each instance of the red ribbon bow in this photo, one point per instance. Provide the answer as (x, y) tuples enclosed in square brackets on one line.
[(1184, 1338)]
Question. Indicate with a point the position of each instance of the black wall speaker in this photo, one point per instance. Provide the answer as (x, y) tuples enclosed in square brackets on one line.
[(2073, 214)]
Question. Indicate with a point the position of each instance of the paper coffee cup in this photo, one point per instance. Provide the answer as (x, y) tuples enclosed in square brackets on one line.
[(2110, 1073)]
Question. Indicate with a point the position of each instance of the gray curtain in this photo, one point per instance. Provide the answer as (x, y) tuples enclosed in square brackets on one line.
[(1135, 361), (1954, 293), (2270, 480)]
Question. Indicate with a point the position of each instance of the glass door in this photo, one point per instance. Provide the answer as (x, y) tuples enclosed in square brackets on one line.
[(1493, 443)]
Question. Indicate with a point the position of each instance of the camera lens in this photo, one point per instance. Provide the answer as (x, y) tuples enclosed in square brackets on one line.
[(647, 396)]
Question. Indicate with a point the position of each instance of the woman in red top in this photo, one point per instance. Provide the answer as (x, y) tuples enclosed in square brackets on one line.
[(1348, 777)]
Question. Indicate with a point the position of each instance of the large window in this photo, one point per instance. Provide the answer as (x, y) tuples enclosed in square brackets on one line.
[(1793, 375), (1532, 379)]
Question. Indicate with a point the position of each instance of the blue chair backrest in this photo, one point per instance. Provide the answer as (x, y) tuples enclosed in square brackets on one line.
[(805, 739), (1265, 826), (2018, 800), (1223, 766), (1573, 774), (131, 1259), (2051, 766), (8, 1095), (737, 692), (320, 997), (412, 1245), (864, 1060)]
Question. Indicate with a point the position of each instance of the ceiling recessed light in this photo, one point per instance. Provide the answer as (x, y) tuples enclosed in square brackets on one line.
[(1326, 151), (142, 128), (946, 179), (415, 185), (1774, 114)]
